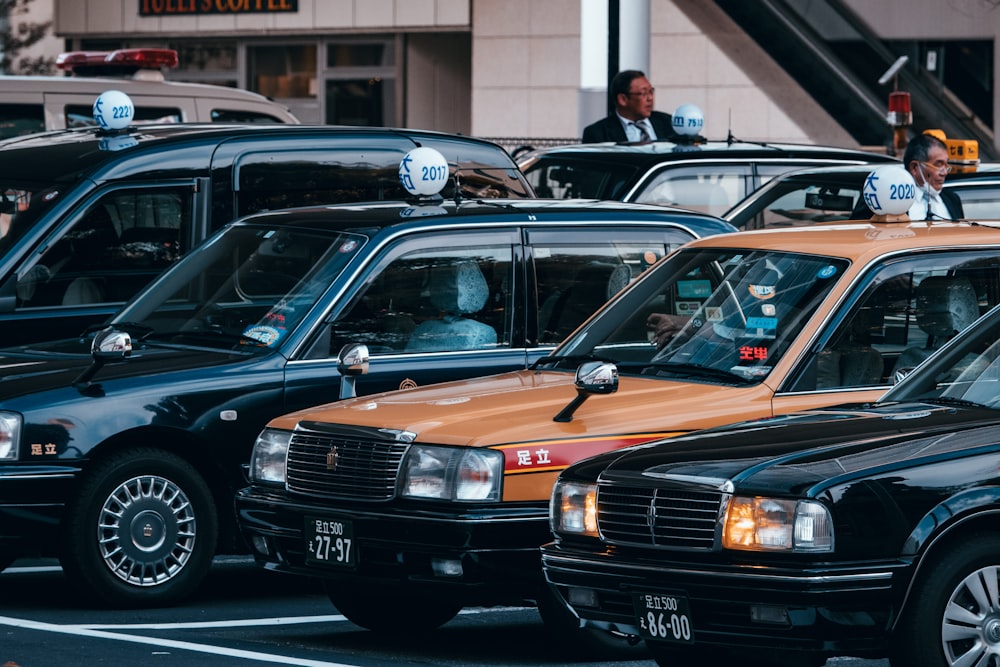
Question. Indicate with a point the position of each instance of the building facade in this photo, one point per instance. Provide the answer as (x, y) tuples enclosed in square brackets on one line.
[(520, 71)]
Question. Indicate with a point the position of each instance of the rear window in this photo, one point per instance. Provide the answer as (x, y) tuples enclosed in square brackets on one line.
[(18, 119)]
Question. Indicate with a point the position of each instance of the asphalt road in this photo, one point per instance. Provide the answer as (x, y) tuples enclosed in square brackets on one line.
[(244, 616)]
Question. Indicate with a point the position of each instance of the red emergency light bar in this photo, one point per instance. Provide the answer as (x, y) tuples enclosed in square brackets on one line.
[(122, 61)]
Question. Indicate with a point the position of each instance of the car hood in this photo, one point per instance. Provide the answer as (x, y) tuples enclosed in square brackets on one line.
[(802, 453), (38, 368), (519, 407)]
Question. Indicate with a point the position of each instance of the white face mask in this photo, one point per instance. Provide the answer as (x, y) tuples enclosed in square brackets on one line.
[(927, 187)]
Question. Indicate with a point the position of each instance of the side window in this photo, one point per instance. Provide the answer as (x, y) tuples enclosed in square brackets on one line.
[(18, 119), (242, 116), (123, 241), (809, 205), (574, 281), (440, 300), (909, 309), (979, 202), (710, 189)]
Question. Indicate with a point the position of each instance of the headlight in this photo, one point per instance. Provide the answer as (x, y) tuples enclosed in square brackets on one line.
[(270, 451), (452, 473), (573, 509), (10, 435), (773, 524)]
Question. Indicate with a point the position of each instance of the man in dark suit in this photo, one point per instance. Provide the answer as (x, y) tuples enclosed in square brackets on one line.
[(633, 118), (926, 158)]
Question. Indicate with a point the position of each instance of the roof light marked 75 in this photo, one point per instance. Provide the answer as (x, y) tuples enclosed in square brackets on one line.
[(688, 120)]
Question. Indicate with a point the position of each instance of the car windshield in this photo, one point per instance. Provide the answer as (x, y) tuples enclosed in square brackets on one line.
[(247, 289), (21, 204), (966, 372), (715, 315)]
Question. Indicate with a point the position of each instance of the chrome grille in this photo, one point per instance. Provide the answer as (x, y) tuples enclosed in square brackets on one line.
[(659, 517), (366, 468)]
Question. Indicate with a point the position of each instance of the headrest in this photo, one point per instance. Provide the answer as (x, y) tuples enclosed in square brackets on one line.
[(946, 305), (458, 288)]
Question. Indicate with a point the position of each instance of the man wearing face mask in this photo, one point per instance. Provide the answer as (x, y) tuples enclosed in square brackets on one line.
[(926, 158)]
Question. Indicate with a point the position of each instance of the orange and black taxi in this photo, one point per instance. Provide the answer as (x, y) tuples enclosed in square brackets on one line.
[(413, 504)]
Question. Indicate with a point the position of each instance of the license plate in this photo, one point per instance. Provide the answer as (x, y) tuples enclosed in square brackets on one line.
[(663, 617), (330, 542)]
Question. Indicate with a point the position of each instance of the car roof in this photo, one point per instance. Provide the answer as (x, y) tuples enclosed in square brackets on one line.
[(65, 155), (655, 152), (371, 217), (96, 85), (861, 241)]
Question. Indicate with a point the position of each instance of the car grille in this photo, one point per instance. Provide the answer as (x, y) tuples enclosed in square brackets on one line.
[(344, 466), (659, 517)]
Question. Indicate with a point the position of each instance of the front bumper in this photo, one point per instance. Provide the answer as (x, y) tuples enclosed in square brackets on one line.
[(837, 609), (32, 503), (478, 556)]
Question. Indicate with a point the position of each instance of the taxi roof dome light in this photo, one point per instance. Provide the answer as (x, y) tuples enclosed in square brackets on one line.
[(688, 121), (423, 172), (889, 192), (113, 110), (116, 63)]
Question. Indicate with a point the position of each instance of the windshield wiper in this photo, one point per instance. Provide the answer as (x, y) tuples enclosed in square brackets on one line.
[(950, 400), (577, 358), (698, 370)]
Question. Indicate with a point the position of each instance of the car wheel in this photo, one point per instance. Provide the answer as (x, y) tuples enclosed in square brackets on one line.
[(142, 531), (954, 616), (391, 610), (585, 643)]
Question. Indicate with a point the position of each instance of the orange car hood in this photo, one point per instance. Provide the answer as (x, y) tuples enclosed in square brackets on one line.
[(519, 407)]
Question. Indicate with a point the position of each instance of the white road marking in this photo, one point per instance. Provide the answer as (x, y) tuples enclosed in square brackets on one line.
[(168, 643)]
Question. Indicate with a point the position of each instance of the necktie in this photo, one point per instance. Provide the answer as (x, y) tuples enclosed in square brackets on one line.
[(643, 132)]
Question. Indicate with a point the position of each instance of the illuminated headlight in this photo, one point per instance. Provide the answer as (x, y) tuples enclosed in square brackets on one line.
[(270, 451), (452, 473), (573, 509), (10, 435), (773, 524)]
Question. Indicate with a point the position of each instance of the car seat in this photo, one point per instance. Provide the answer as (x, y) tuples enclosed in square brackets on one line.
[(455, 290), (944, 306), (594, 284)]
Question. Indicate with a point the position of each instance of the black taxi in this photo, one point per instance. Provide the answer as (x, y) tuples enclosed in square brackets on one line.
[(89, 216), (121, 450), (708, 176), (863, 529)]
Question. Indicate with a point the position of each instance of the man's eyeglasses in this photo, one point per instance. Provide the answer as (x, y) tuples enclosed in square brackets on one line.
[(642, 93), (940, 168)]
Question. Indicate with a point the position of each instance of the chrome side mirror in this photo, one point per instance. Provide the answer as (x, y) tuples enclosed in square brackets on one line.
[(111, 344), (353, 362), (592, 377)]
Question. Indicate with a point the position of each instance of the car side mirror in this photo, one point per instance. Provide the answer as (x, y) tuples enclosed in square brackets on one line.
[(353, 362), (592, 377)]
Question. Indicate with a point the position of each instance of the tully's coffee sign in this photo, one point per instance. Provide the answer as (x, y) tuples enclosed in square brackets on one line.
[(197, 7)]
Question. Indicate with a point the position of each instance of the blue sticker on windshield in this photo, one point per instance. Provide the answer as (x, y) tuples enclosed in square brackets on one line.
[(262, 333), (827, 271)]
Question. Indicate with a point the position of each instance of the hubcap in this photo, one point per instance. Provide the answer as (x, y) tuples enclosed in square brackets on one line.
[(146, 531), (970, 631)]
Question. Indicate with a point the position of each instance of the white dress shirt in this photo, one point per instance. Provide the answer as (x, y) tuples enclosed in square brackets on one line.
[(632, 132)]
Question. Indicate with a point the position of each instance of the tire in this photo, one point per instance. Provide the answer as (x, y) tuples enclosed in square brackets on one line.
[(954, 616), (142, 531), (585, 643), (391, 611)]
